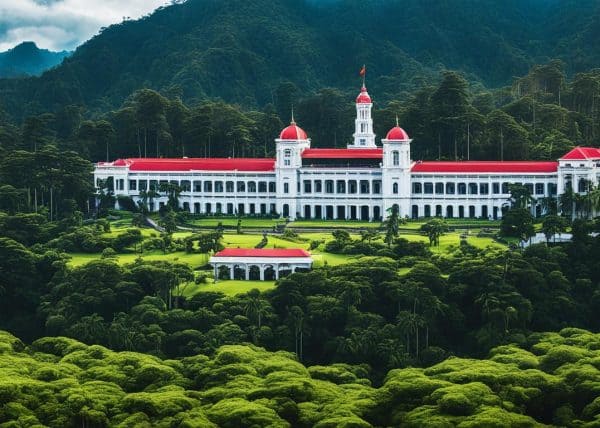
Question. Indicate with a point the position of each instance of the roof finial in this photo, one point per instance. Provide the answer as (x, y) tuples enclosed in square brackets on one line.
[(293, 122), (397, 124), (363, 73)]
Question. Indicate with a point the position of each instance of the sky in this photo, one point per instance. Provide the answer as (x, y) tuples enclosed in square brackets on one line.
[(64, 24)]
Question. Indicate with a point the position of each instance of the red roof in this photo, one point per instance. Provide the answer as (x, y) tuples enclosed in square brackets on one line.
[(343, 153), (196, 164), (363, 97), (486, 167), (293, 132), (397, 133), (582, 153), (263, 252)]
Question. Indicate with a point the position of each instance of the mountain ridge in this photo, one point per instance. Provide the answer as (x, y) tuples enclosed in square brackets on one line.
[(241, 51), (26, 59)]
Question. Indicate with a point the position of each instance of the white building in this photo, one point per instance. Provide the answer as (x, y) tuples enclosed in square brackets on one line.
[(262, 264), (360, 182)]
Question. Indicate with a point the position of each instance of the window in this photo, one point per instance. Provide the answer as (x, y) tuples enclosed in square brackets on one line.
[(340, 186), (307, 186), (376, 187), (450, 188), (208, 187), (197, 186), (132, 185), (286, 187), (505, 188), (539, 188), (229, 187), (462, 189), (186, 186), (153, 185), (484, 188), (286, 162), (328, 186), (395, 188), (143, 185), (262, 187), (439, 189), (417, 188), (472, 188), (352, 186), (552, 188), (287, 153), (428, 189), (495, 188), (582, 185), (318, 186), (272, 188), (364, 187), (396, 158), (219, 208), (241, 186), (363, 141), (252, 187), (529, 187), (218, 186)]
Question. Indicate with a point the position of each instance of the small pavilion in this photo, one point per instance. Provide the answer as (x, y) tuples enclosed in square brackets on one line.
[(264, 264)]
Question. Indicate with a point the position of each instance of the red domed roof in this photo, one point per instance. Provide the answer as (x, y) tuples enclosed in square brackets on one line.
[(397, 133), (293, 132), (363, 97)]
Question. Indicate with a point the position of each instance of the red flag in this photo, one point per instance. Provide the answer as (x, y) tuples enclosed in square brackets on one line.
[(363, 71)]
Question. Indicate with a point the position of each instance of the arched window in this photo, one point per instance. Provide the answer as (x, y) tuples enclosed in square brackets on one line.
[(287, 153), (395, 188), (396, 158)]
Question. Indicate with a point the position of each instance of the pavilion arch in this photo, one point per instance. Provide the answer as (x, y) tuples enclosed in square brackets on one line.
[(254, 273), (224, 272), (239, 272), (284, 269), (269, 273)]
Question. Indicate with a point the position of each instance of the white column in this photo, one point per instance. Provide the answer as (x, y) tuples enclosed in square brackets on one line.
[(247, 272), (262, 272), (231, 271), (276, 267)]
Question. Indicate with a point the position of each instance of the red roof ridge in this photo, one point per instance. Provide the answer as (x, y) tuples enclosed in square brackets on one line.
[(200, 164), (329, 153), (263, 252), (478, 166)]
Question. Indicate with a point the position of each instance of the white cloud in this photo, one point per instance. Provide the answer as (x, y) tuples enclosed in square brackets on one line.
[(64, 24)]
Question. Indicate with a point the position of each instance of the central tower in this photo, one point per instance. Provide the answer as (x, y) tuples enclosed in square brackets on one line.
[(364, 138)]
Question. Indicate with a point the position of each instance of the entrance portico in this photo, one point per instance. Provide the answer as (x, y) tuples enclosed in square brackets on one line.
[(259, 264)]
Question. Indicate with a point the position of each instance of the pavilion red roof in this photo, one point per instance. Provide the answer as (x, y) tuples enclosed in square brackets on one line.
[(505, 167), (343, 153), (195, 164), (263, 252), (582, 153)]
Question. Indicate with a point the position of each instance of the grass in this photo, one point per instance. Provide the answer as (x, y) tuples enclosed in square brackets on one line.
[(228, 222), (333, 224), (194, 260), (228, 287)]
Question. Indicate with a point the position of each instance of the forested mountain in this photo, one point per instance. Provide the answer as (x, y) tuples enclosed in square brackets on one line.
[(240, 51), (26, 59)]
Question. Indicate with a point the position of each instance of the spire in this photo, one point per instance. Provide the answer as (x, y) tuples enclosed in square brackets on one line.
[(397, 123), (293, 122)]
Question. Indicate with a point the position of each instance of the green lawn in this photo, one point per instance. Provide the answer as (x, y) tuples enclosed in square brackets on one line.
[(333, 224), (194, 260), (232, 222), (228, 287)]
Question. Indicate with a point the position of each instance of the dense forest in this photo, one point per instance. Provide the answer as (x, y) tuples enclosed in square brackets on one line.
[(401, 333), (241, 51), (58, 382)]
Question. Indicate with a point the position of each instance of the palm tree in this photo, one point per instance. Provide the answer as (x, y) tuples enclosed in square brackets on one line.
[(297, 317), (256, 306)]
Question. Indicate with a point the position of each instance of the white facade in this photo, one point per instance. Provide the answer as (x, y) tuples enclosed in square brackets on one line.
[(361, 182)]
